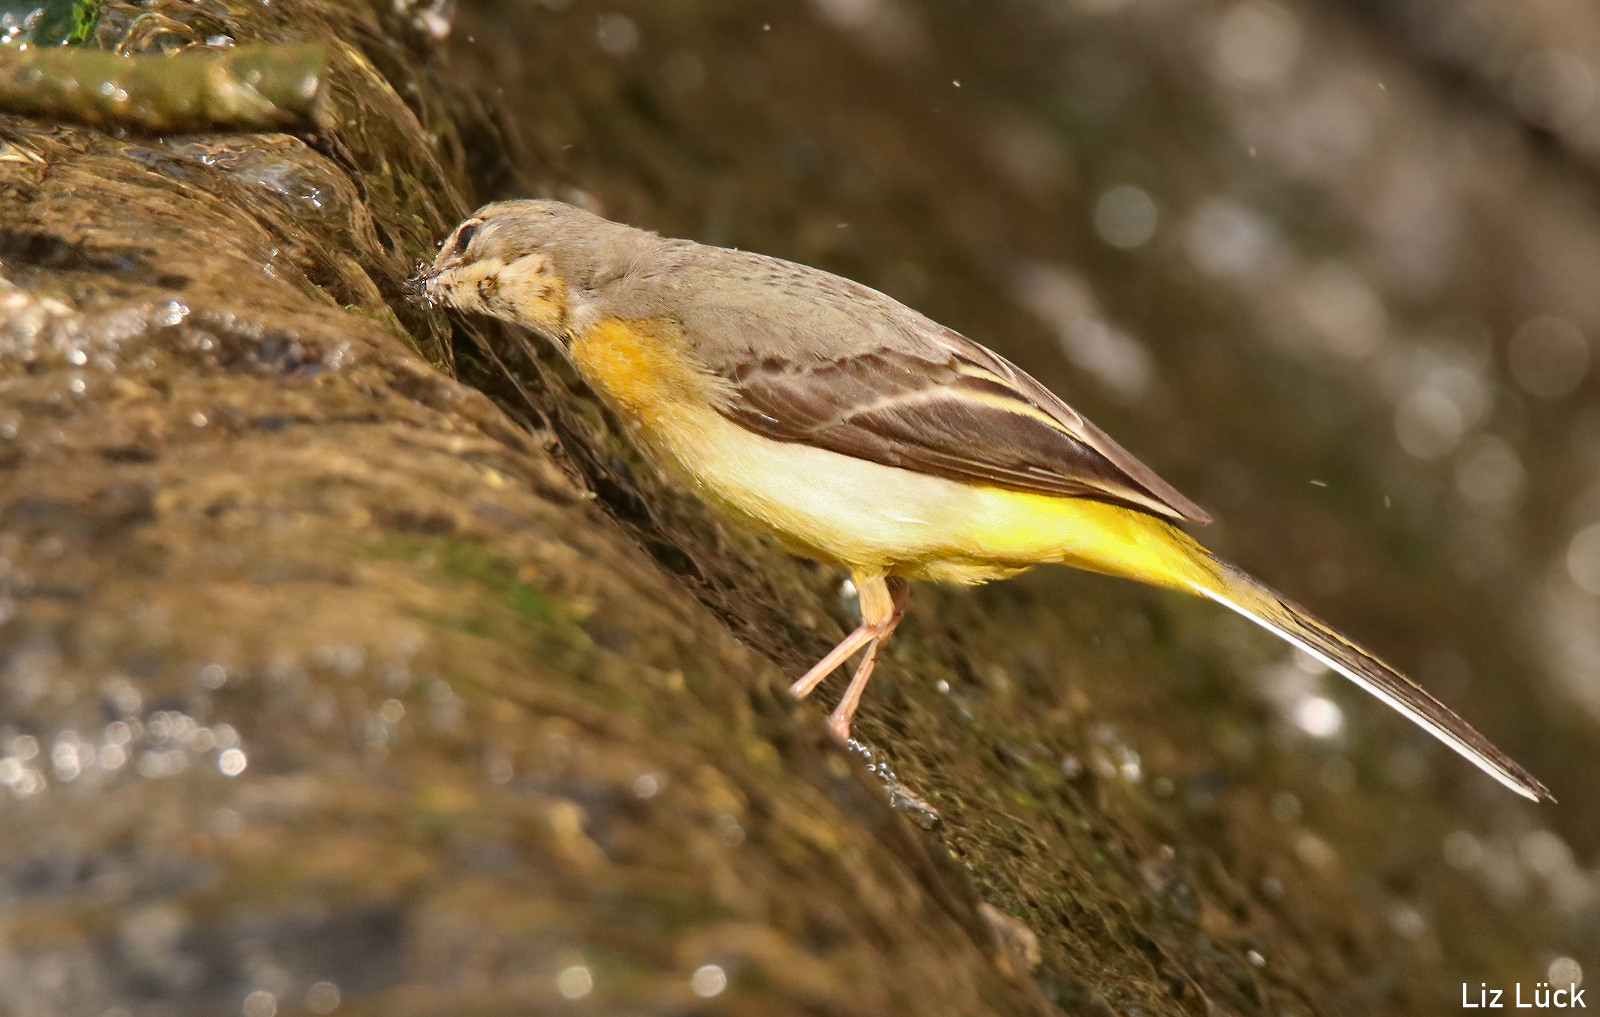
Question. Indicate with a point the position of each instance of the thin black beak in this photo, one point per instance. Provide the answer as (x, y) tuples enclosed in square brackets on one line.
[(417, 285)]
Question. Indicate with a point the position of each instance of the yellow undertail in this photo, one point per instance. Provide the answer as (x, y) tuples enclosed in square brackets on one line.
[(1121, 541)]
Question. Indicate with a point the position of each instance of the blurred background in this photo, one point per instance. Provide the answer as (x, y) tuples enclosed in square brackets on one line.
[(1333, 268)]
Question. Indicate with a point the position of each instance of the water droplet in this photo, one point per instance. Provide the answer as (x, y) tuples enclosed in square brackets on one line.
[(1230, 241), (1428, 424), (1548, 357), (616, 34), (707, 981), (1565, 971), (575, 982), (500, 770), (1408, 921), (1318, 717), (1285, 807), (1462, 850), (1545, 852), (684, 72), (729, 830), (1125, 216), (1583, 558), (1489, 475), (1342, 310), (260, 1003), (213, 676), (1256, 45), (322, 997)]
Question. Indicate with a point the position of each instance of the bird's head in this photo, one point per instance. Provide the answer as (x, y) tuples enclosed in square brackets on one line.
[(523, 261)]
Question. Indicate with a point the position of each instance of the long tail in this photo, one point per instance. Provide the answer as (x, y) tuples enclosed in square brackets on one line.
[(1261, 605)]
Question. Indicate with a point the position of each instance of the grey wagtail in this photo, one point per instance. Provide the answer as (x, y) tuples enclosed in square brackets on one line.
[(861, 433)]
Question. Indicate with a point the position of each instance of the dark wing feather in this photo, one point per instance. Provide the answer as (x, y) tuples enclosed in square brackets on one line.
[(947, 407)]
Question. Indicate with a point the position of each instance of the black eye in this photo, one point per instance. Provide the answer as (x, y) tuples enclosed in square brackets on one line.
[(464, 237)]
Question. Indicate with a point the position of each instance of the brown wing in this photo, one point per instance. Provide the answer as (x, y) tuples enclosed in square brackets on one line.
[(950, 408), (806, 356)]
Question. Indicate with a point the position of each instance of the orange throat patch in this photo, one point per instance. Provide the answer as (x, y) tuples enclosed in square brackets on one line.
[(644, 369)]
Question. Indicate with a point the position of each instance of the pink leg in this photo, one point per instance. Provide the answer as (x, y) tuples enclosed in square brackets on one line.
[(897, 595), (836, 656), (877, 604)]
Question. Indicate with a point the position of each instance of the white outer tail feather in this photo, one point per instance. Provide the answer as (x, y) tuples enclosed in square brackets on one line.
[(1428, 724)]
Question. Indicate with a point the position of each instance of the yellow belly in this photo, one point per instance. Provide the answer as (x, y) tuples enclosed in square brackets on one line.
[(871, 518), (882, 519)]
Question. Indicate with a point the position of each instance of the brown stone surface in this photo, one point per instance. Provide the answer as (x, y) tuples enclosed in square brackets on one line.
[(348, 654)]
